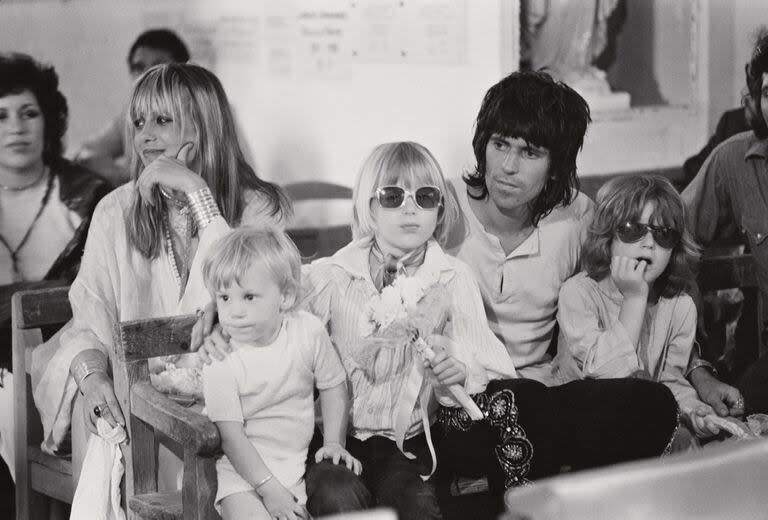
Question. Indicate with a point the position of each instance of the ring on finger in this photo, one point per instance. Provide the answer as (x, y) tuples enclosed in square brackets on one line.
[(99, 408)]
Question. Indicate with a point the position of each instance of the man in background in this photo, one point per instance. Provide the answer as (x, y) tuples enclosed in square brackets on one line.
[(104, 153), (726, 201), (732, 122)]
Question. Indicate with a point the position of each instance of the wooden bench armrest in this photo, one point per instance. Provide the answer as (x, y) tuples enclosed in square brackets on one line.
[(170, 418)]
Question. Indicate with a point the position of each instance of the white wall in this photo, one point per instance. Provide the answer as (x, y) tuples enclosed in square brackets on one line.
[(87, 42), (298, 126), (747, 18), (734, 24), (304, 126)]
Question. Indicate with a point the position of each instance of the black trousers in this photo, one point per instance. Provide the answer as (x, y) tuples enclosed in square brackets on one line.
[(753, 385), (532, 431), (579, 425), (389, 479)]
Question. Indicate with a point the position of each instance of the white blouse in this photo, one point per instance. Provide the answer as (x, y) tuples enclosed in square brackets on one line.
[(116, 283)]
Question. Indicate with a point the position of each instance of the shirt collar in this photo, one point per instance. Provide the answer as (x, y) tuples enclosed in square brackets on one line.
[(353, 258), (758, 148), (530, 246)]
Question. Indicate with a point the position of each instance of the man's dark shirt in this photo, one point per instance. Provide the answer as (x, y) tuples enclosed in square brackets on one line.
[(728, 199), (732, 122)]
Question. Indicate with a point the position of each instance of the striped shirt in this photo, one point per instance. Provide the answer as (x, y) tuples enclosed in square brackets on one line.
[(338, 289)]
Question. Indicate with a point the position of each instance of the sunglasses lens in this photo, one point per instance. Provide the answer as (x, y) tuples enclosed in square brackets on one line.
[(391, 196), (666, 237), (428, 197), (631, 232)]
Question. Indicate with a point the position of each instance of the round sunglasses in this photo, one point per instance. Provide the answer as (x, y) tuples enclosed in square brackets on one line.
[(630, 232), (393, 197)]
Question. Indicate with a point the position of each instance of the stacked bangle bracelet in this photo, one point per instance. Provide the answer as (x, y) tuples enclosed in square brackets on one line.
[(203, 205), (87, 366)]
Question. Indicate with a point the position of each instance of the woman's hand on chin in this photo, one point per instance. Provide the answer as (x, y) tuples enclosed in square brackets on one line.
[(172, 173), (100, 401)]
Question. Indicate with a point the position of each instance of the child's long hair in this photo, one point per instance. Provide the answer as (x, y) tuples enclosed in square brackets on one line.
[(623, 199), (194, 97), (408, 163)]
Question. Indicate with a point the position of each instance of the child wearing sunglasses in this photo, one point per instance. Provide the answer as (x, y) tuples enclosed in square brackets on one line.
[(627, 314), (402, 213)]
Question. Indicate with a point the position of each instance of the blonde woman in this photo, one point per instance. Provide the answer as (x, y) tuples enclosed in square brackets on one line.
[(144, 251)]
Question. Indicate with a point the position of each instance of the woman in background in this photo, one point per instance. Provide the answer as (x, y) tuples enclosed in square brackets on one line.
[(46, 202)]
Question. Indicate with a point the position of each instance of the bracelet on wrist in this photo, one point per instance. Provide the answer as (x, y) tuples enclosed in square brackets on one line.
[(263, 481), (699, 363), (203, 206), (86, 367)]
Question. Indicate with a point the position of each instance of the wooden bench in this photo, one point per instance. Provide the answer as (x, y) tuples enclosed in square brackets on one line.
[(43, 481), (149, 412)]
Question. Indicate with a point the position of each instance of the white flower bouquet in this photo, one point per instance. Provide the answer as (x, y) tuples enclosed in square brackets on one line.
[(402, 316)]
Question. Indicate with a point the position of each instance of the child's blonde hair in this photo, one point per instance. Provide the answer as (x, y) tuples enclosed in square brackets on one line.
[(623, 199), (410, 164), (235, 253)]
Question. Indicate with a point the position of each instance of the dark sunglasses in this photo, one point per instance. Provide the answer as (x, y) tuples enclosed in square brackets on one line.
[(393, 197), (630, 232)]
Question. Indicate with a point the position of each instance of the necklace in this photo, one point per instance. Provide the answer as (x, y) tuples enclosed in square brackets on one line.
[(17, 277), (182, 205), (25, 186), (180, 272)]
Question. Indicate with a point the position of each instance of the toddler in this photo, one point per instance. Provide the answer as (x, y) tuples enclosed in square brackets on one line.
[(261, 396)]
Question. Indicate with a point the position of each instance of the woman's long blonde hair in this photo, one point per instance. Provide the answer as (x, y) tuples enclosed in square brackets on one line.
[(194, 97)]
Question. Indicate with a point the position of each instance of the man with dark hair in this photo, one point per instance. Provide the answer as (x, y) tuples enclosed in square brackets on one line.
[(155, 47), (525, 220), (104, 152), (522, 235), (727, 200)]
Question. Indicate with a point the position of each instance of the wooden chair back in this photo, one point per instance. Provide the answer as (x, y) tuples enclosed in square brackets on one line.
[(298, 191), (726, 271), (40, 477), (149, 412), (320, 242), (318, 235)]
